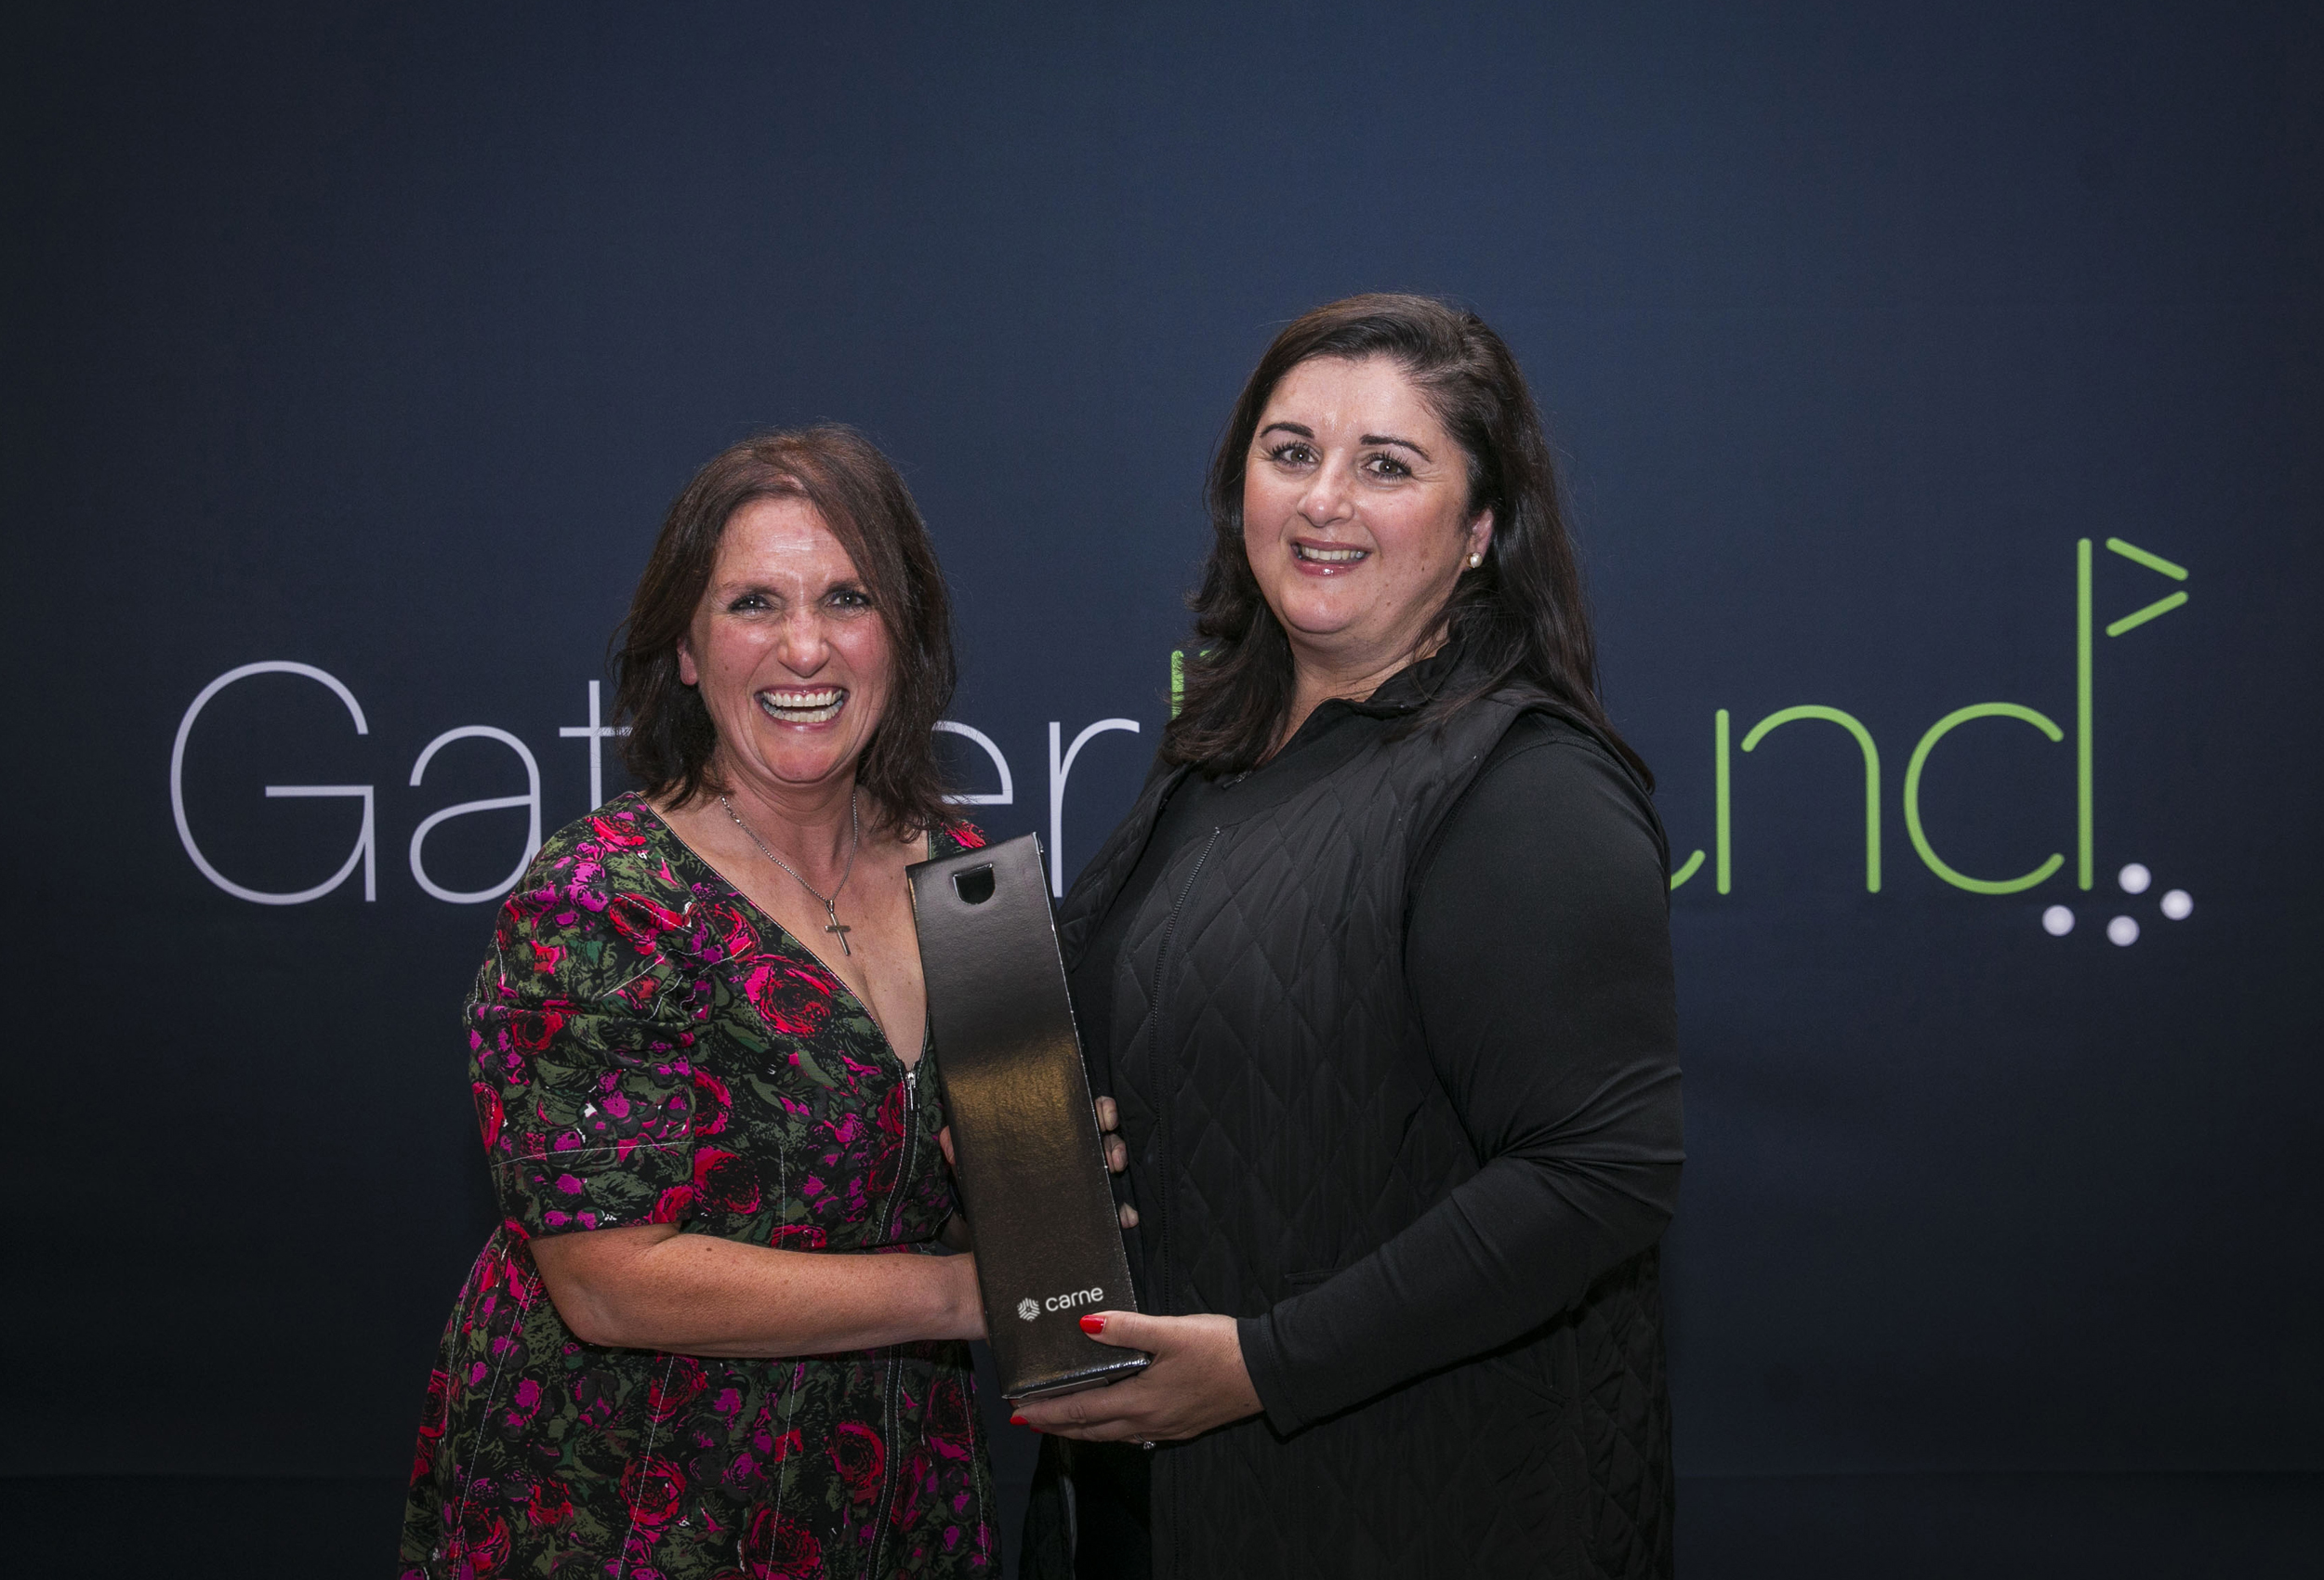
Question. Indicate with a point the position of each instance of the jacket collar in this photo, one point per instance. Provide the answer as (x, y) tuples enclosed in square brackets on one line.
[(1415, 685), (1090, 896)]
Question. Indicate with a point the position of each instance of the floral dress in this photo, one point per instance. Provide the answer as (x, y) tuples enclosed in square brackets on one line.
[(649, 1048)]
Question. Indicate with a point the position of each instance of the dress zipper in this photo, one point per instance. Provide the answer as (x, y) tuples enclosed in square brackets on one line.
[(892, 1388), (911, 1139)]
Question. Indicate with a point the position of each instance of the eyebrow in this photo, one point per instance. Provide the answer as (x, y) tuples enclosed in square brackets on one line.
[(1305, 432)]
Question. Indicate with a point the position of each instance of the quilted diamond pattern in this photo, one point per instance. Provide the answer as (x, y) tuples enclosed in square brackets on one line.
[(1286, 1121)]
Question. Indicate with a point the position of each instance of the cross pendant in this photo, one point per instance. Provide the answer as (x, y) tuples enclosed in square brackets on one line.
[(839, 926)]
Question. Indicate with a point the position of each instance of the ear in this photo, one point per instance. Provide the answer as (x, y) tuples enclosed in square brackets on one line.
[(1481, 533), (687, 673)]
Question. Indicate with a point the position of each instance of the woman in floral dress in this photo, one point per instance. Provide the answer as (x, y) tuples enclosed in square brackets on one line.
[(715, 1334)]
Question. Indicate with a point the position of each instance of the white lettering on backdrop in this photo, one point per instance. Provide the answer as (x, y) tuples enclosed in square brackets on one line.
[(363, 840), (531, 801), (596, 733), (1058, 771)]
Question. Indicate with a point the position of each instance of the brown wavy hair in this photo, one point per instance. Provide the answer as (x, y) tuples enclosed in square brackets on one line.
[(1520, 620), (861, 499)]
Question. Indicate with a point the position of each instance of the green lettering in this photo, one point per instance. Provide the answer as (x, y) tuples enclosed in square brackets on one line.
[(1871, 773), (1721, 791), (1937, 731)]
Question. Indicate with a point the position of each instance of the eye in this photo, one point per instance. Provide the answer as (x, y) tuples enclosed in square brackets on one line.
[(746, 603), (1386, 466), (1293, 452), (850, 598)]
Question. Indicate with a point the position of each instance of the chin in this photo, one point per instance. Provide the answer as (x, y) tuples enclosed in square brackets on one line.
[(803, 762), (1314, 617)]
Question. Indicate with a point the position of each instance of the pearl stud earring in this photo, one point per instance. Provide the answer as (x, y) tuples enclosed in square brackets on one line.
[(1475, 561)]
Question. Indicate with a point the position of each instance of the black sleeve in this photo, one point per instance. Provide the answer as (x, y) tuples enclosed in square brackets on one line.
[(1540, 956)]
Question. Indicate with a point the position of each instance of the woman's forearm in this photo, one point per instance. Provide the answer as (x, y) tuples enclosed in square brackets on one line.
[(1540, 960), (1512, 1246), (651, 1287)]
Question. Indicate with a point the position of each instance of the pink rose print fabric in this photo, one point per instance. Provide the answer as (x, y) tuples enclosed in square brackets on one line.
[(646, 1047)]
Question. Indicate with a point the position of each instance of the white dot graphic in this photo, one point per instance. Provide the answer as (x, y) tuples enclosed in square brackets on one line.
[(2135, 879), (2057, 921), (2123, 930), (2178, 904)]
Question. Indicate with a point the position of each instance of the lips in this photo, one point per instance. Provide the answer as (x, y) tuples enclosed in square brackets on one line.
[(802, 705), (1328, 557)]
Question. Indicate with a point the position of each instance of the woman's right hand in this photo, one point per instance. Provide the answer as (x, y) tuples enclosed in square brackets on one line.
[(1109, 1138), (1116, 1150)]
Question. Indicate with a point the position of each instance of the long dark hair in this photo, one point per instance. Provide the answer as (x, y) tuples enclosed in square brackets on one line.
[(860, 497), (1520, 620)]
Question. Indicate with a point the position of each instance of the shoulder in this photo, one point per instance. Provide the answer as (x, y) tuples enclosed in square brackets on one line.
[(596, 902), (953, 838), (621, 850), (1544, 750), (1551, 785)]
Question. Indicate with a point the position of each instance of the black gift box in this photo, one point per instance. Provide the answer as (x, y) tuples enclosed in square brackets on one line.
[(1024, 1136)]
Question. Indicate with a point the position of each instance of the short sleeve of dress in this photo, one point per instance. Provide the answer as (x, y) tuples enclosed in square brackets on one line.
[(580, 1039)]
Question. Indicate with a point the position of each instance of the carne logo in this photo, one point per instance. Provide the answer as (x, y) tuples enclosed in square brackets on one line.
[(1029, 1309)]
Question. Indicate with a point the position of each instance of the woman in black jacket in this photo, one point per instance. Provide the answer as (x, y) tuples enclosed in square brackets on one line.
[(1379, 971)]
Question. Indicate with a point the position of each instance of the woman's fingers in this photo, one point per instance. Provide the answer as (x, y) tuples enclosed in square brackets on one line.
[(1090, 1423), (1130, 1330), (944, 1140), (1128, 1215), (1109, 1122), (1123, 1413), (1102, 1415), (1197, 1381)]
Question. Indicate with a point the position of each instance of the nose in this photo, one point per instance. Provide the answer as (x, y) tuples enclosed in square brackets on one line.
[(804, 646), (1325, 500)]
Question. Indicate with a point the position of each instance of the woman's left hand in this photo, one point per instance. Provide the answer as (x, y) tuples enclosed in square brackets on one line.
[(1197, 1382)]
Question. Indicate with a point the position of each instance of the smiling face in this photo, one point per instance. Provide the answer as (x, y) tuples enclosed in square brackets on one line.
[(1355, 516), (791, 658)]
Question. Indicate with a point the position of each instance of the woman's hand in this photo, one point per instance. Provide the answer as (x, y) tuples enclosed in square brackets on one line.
[(1197, 1382), (1116, 1150)]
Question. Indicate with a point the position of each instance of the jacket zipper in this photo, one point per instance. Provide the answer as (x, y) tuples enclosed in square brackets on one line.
[(1161, 961), (1162, 1110), (891, 1387)]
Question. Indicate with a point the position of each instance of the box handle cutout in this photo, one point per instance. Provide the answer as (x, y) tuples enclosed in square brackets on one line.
[(975, 886)]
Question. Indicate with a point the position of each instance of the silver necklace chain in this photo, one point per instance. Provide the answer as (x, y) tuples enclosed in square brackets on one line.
[(831, 901)]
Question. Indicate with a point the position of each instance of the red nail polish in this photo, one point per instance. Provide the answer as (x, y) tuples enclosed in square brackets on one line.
[(1094, 1324), (1016, 1420)]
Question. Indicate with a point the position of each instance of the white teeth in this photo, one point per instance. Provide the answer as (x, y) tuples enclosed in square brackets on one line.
[(802, 707), (1329, 556)]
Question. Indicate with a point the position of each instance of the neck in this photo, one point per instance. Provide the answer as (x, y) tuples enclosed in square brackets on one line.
[(812, 826), (1319, 678)]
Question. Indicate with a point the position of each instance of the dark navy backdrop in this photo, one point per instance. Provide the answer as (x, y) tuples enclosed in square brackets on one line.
[(375, 340)]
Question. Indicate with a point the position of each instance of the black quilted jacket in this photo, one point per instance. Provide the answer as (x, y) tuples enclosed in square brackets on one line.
[(1286, 1122)]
